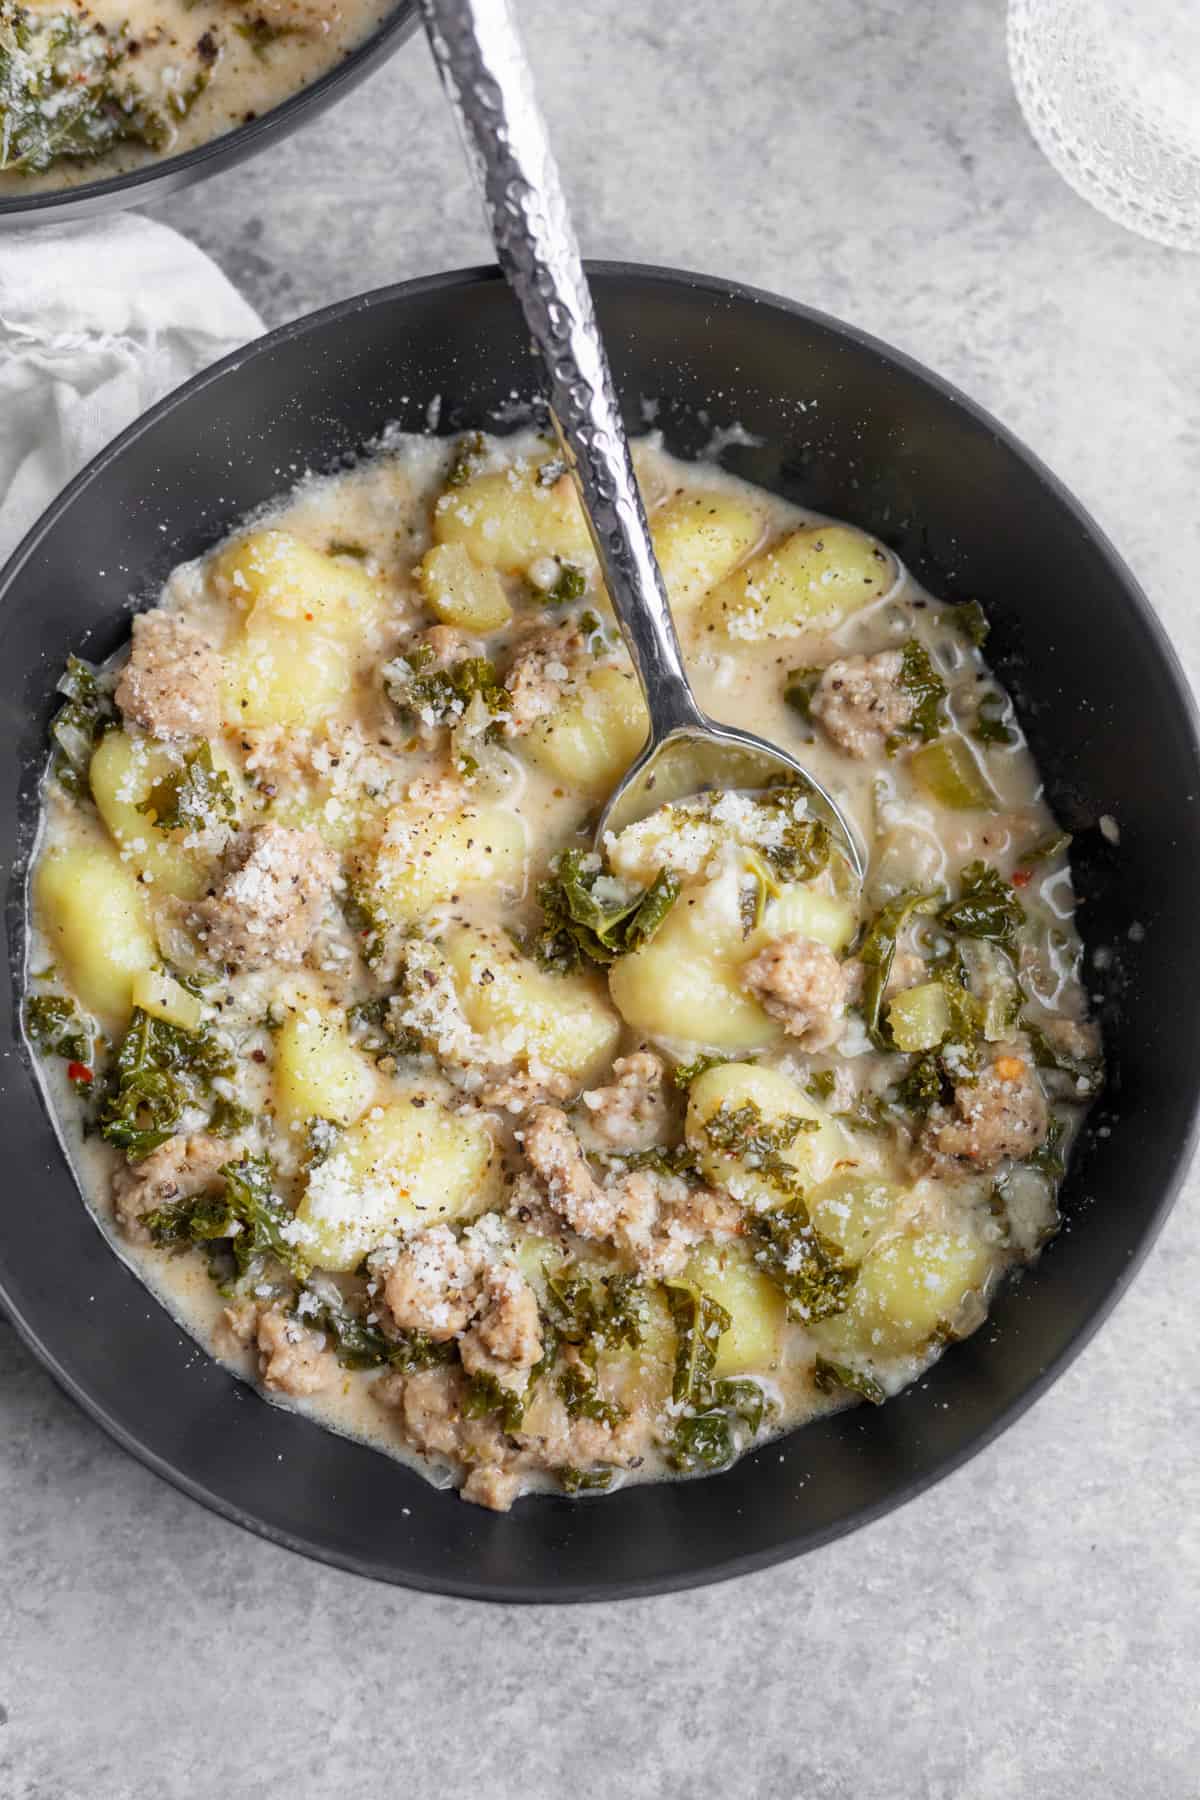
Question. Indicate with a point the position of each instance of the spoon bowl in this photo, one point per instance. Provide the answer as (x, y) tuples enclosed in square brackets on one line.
[(712, 757)]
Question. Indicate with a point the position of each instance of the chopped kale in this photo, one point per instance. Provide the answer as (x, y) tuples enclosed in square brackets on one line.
[(80, 724), (358, 1345), (992, 721), (821, 1084), (877, 952), (926, 691), (571, 585), (801, 1264), (585, 1481), (593, 1315), (828, 1376), (579, 1392), (684, 1075), (342, 547), (367, 922), (441, 696), (373, 1026), (923, 1085), (260, 32), (702, 1440), (485, 1395), (742, 1131), (56, 1028), (704, 1437), (799, 691), (986, 906), (159, 1070), (580, 924), (1048, 1158), (228, 1118), (1054, 845), (248, 1213), (320, 1138), (807, 844), (672, 1159), (699, 1323), (870, 1113), (192, 798), (469, 452), (969, 617)]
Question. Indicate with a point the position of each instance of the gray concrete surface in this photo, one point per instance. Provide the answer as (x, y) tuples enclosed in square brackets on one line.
[(1028, 1629)]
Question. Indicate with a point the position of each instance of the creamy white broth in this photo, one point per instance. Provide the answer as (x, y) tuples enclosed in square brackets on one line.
[(189, 70), (943, 1200)]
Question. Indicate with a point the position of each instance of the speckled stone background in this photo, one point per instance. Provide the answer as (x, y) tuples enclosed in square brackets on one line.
[(1031, 1627)]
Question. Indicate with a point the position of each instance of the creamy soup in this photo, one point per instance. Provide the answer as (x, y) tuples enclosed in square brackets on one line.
[(537, 1162), (91, 89)]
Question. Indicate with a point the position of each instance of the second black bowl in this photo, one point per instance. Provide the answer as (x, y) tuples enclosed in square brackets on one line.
[(163, 175), (831, 419)]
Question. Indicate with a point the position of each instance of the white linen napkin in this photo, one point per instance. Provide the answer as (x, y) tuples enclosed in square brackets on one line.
[(97, 321)]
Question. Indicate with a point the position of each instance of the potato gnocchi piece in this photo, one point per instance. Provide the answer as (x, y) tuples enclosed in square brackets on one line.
[(285, 672), (852, 1210), (813, 1154), (700, 538), (815, 577), (402, 1167), (507, 520), (159, 994), (461, 592), (563, 1021), (123, 771), (684, 985), (594, 734), (756, 1307), (907, 1289), (424, 858), (96, 917), (318, 1072), (272, 575)]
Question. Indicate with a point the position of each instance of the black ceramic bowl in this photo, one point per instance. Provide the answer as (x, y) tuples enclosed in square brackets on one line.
[(163, 175), (841, 424)]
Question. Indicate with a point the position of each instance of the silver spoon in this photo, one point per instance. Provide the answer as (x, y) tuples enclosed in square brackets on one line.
[(488, 81)]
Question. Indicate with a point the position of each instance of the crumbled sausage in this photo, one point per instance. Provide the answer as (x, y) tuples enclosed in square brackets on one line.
[(430, 1407), (539, 671), (269, 904), (860, 703), (517, 1091), (292, 1358), (803, 985), (1002, 1114), (1077, 1038), (178, 1170), (493, 1487), (171, 685), (431, 1285), (508, 1335), (631, 1112), (654, 1219)]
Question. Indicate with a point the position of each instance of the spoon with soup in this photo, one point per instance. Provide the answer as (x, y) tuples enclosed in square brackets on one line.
[(487, 78)]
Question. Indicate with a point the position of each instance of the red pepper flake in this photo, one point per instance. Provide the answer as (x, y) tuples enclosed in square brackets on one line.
[(79, 1072), (1022, 877)]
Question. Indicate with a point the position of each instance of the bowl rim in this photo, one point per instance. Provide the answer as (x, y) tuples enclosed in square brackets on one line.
[(151, 180), (750, 1561)]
